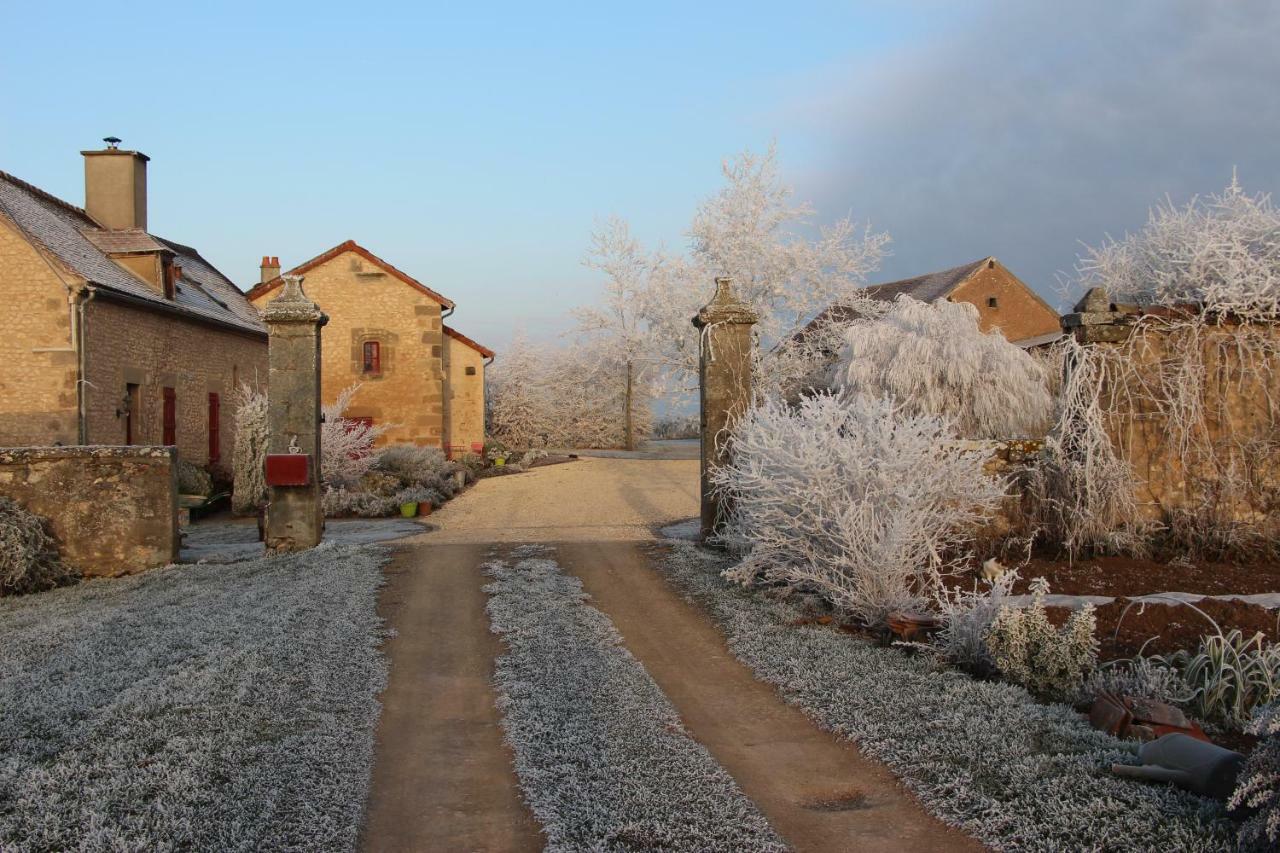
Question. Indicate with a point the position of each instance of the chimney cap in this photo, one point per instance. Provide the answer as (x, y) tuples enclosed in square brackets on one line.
[(113, 142)]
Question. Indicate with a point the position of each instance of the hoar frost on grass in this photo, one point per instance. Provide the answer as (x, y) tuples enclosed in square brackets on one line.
[(983, 756), (602, 756), (219, 707)]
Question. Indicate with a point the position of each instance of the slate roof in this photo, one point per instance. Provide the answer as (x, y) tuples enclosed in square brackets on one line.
[(68, 233)]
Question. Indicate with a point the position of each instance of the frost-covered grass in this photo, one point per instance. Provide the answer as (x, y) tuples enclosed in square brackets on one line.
[(209, 707), (983, 756), (603, 759)]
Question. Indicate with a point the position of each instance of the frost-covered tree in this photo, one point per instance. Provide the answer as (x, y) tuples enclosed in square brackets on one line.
[(249, 490), (1221, 252), (934, 360), (849, 496), (346, 445), (752, 232), (617, 327)]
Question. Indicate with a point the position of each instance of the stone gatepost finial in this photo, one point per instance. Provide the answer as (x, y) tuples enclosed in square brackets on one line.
[(724, 380), (295, 520)]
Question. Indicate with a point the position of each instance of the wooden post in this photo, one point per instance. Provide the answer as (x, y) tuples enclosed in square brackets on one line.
[(724, 386)]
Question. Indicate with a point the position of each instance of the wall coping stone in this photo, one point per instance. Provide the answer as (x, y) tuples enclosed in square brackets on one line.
[(20, 455)]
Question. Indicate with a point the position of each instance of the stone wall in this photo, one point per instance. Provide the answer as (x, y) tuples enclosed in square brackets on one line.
[(113, 510), (366, 303), (127, 345), (37, 352)]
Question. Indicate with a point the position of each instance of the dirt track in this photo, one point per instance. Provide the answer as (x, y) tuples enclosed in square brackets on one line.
[(443, 777)]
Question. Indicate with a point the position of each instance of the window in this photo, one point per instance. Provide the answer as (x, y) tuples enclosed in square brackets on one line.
[(215, 428), (992, 302), (471, 370), (372, 357), (130, 411), (170, 417)]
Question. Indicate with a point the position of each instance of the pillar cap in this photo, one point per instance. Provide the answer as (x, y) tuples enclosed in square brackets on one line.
[(293, 306), (726, 307)]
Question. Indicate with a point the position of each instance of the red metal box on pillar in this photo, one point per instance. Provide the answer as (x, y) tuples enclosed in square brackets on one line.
[(288, 469)]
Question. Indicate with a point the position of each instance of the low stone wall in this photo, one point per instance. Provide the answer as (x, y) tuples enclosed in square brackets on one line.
[(113, 510)]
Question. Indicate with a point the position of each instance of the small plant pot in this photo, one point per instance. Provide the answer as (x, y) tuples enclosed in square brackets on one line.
[(499, 462), (409, 510), (424, 509)]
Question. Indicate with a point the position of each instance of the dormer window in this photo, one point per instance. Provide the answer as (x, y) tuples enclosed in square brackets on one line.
[(372, 358)]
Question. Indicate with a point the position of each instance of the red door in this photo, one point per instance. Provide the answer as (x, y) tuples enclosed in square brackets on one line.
[(170, 417), (215, 428)]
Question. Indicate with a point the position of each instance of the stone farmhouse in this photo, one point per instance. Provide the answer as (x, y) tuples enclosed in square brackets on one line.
[(386, 332), (1003, 301), (112, 335)]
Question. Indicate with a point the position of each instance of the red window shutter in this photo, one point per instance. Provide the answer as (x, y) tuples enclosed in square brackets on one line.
[(170, 417), (372, 357), (215, 428)]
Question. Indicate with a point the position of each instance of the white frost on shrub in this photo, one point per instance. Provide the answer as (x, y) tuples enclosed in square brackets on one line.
[(1259, 785), (346, 446), (934, 360), (850, 497), (1050, 662), (29, 559), (249, 464), (603, 758)]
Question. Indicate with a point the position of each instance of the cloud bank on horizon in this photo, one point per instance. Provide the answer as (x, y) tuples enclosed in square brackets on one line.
[(1030, 128)]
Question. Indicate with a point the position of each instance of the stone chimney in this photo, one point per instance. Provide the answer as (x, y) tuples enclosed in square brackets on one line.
[(270, 268), (115, 186)]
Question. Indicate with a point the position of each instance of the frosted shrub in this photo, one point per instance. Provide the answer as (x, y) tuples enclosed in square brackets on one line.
[(935, 360), (29, 560), (338, 502), (848, 497), (414, 466), (1259, 785), (966, 617), (250, 480), (1141, 678), (346, 445), (193, 480), (1050, 662)]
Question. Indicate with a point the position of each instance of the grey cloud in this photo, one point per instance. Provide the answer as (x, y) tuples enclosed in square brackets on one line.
[(1032, 127)]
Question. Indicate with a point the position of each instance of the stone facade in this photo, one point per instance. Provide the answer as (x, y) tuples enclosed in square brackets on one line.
[(38, 359), (125, 346), (464, 363), (113, 510), (371, 303)]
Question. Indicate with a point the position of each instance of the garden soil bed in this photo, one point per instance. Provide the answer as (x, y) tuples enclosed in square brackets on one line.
[(1125, 626), (1121, 576)]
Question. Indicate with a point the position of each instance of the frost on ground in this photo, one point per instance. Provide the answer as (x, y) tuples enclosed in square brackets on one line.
[(980, 755), (603, 759), (213, 707)]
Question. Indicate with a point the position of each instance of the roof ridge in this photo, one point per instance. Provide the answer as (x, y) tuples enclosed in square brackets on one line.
[(47, 196), (972, 264)]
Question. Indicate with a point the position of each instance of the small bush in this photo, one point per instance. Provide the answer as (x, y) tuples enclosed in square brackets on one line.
[(249, 465), (413, 466), (1259, 785), (966, 618), (29, 560), (1052, 663), (848, 497), (1141, 678), (338, 502), (193, 480), (419, 495)]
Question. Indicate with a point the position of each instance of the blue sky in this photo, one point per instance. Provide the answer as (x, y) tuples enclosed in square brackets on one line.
[(475, 149)]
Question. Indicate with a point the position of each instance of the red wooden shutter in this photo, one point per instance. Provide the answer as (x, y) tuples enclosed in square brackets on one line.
[(215, 428), (170, 417)]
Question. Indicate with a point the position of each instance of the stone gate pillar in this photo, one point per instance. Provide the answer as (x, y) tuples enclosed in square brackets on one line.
[(724, 382), (295, 520)]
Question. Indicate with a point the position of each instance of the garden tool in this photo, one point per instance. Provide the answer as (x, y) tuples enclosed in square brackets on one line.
[(1200, 767)]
